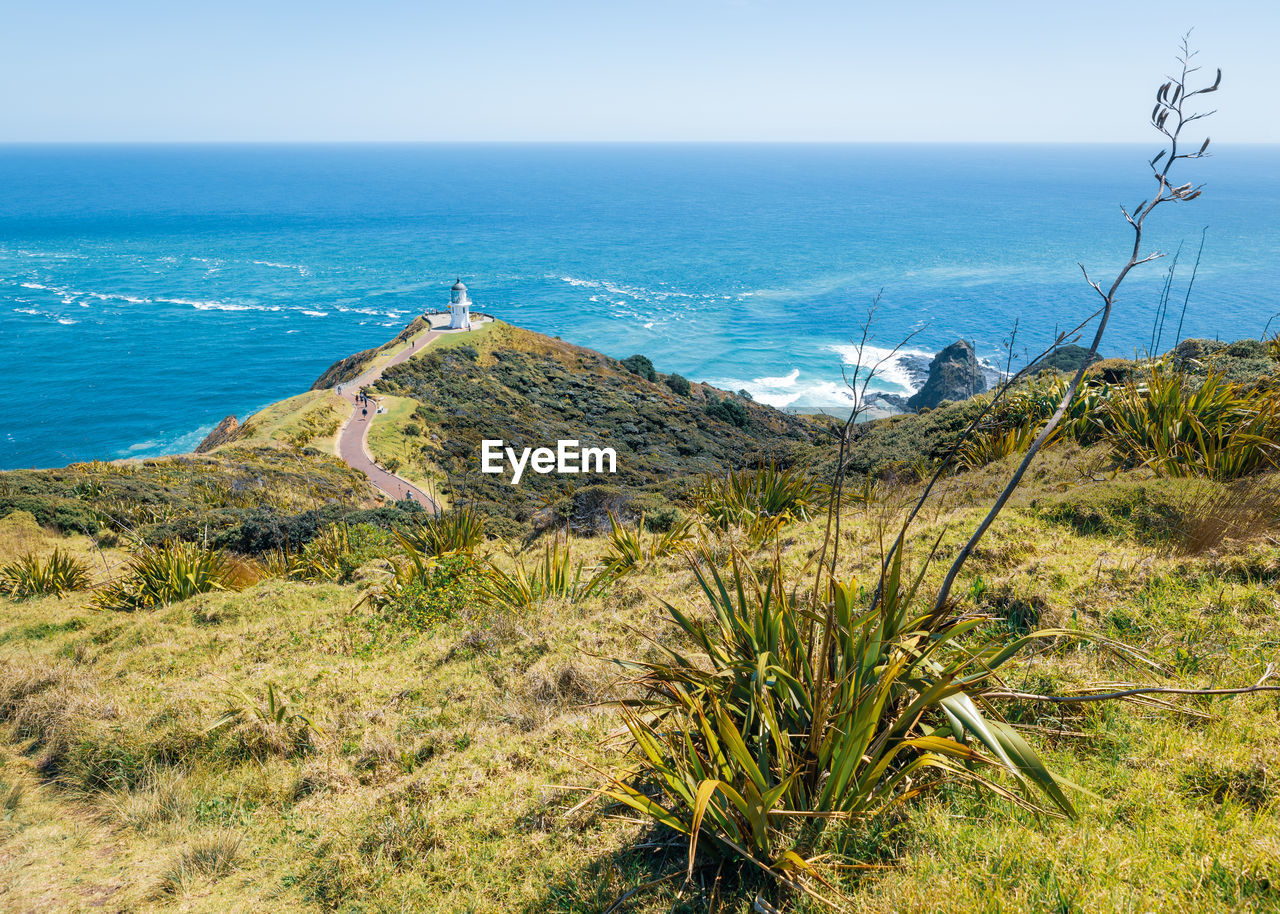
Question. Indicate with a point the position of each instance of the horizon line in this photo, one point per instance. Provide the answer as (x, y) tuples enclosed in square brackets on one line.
[(597, 142)]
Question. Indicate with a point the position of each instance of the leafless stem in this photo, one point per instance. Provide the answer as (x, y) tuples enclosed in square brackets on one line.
[(1168, 117), (1259, 686)]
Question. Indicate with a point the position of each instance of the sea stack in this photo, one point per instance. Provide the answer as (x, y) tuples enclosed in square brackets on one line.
[(954, 374)]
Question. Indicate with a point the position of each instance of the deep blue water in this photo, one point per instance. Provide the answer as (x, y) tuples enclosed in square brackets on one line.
[(146, 292)]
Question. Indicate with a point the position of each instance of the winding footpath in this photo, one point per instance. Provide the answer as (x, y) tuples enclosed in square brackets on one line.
[(353, 437)]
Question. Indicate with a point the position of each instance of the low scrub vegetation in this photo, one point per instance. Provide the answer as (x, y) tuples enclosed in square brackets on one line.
[(1163, 417)]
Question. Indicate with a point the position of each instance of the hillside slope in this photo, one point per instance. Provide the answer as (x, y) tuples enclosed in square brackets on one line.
[(529, 390)]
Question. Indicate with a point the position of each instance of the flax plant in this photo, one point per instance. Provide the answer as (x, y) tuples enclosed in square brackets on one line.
[(167, 573), (1217, 429), (30, 576), (629, 550)]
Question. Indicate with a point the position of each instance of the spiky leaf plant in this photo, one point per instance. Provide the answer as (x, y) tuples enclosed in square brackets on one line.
[(759, 738), (271, 726), (458, 531), (556, 576), (167, 573), (759, 500), (630, 550), (1163, 421), (30, 576)]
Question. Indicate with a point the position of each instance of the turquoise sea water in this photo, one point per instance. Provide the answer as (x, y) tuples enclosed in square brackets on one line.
[(146, 292)]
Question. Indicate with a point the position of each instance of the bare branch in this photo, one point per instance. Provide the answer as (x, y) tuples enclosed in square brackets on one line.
[(1259, 686), (1166, 104)]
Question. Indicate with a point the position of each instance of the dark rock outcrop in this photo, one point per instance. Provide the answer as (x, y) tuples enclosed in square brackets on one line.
[(954, 374), (224, 432)]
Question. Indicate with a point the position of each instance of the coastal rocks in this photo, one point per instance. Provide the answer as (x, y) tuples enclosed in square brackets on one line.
[(224, 432), (954, 374), (916, 367)]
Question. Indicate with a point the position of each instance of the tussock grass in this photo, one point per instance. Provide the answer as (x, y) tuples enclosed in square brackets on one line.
[(210, 856), (10, 796), (161, 798), (20, 534)]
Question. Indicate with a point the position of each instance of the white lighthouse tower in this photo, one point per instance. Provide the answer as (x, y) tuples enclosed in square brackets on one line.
[(459, 307)]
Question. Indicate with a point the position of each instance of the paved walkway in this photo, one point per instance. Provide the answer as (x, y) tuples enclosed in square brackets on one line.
[(353, 438)]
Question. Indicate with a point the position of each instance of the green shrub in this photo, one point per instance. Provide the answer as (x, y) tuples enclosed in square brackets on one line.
[(62, 514), (586, 511), (678, 384), (443, 588), (29, 576), (726, 410), (1113, 371), (884, 446), (639, 364)]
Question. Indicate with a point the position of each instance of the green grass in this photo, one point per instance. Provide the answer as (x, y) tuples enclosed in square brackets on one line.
[(435, 783), (393, 444), (285, 420)]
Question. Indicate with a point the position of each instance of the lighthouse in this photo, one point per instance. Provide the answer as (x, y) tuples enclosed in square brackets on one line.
[(459, 307)]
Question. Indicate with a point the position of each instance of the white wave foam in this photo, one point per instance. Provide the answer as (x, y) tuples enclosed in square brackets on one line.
[(36, 312), (69, 296), (892, 365), (316, 313), (110, 296), (638, 293), (206, 305), (302, 270), (217, 305), (788, 390)]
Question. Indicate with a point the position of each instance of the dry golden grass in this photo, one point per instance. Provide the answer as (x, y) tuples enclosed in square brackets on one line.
[(436, 785)]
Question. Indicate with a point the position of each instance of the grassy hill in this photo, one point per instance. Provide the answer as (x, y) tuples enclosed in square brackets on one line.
[(530, 391), (329, 727)]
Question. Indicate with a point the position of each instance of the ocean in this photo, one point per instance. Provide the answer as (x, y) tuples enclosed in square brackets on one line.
[(148, 291)]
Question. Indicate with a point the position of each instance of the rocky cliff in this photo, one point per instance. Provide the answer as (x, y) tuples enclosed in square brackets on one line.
[(223, 433), (954, 374)]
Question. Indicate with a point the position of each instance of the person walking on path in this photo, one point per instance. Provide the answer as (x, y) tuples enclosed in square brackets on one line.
[(352, 441)]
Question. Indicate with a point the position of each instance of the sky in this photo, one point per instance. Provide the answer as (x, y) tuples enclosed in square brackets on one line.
[(620, 70)]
